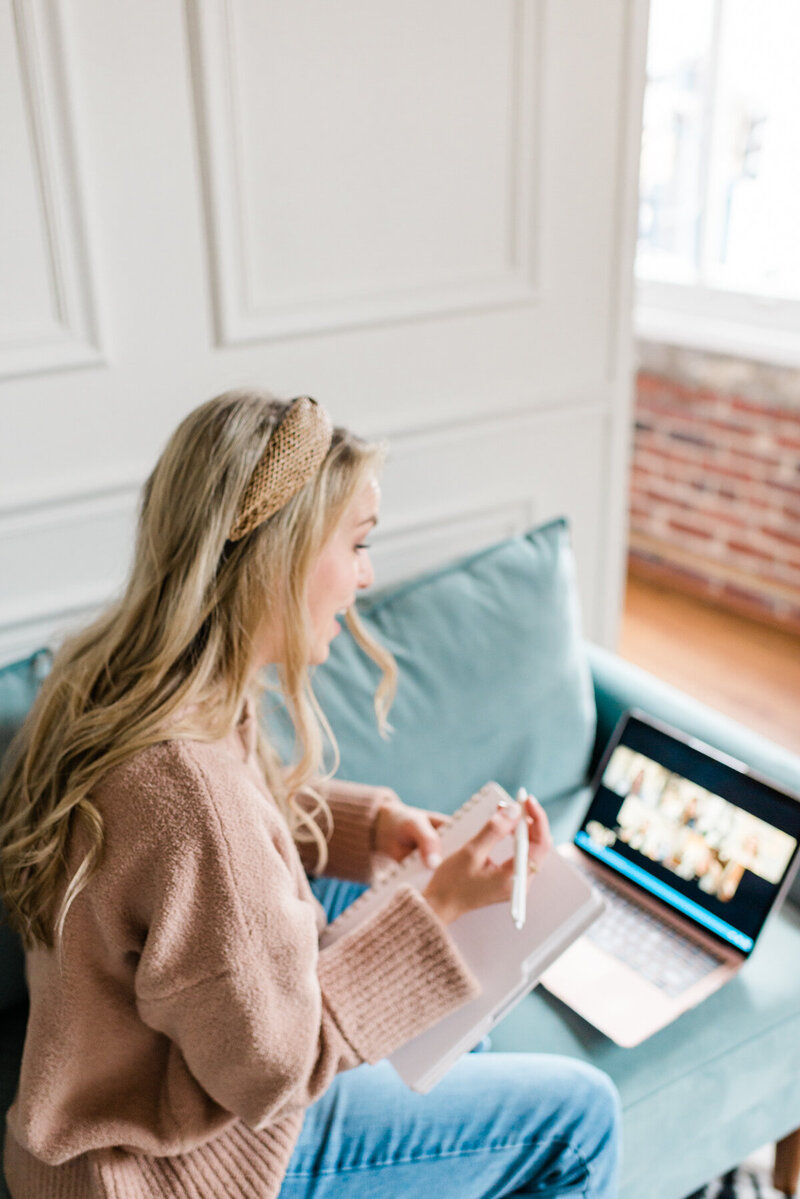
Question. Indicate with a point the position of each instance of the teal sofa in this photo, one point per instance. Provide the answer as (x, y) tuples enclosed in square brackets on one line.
[(496, 681)]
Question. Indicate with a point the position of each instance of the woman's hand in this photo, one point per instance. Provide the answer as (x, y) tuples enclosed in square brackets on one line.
[(471, 879), (399, 829)]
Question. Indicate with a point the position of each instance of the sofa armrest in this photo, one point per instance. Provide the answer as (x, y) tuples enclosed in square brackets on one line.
[(619, 685)]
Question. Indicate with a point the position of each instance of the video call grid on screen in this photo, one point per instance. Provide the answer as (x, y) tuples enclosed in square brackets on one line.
[(712, 842)]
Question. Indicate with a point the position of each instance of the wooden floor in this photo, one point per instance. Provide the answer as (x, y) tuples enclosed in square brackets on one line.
[(745, 669), (748, 671)]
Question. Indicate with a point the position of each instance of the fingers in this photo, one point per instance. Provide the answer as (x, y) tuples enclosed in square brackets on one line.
[(538, 824), (539, 836), (431, 853), (471, 878), (430, 844), (422, 832), (498, 826)]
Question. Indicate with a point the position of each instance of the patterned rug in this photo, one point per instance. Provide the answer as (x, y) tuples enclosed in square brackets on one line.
[(753, 1180)]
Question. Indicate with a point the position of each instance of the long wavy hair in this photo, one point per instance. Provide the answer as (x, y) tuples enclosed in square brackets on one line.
[(174, 657)]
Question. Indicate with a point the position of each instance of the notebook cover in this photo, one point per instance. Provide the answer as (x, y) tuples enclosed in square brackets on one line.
[(506, 961)]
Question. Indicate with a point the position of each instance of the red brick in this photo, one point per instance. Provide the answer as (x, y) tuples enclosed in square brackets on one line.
[(790, 415), (753, 604), (741, 547), (644, 437), (742, 405), (693, 437), (672, 390), (653, 399), (650, 383), (686, 392), (749, 456), (668, 456), (716, 468), (755, 502), (780, 535), (663, 405), (660, 497), (725, 426), (680, 527), (788, 443), (728, 518), (788, 487)]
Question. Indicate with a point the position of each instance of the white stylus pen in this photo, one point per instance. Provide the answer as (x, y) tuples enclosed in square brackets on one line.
[(519, 891)]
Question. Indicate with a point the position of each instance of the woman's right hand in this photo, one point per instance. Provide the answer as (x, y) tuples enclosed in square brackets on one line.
[(470, 878)]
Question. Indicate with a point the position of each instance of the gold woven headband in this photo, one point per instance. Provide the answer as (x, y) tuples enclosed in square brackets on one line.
[(294, 454)]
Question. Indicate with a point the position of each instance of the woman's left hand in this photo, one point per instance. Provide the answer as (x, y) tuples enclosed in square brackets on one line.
[(399, 829)]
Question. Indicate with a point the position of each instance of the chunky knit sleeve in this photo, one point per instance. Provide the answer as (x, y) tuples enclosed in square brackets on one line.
[(354, 808), (231, 972)]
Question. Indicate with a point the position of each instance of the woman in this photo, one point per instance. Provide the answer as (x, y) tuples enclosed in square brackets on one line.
[(186, 1035)]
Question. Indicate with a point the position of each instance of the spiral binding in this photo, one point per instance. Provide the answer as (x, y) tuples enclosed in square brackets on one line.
[(349, 915)]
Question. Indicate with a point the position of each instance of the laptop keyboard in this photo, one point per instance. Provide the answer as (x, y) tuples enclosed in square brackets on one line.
[(652, 947)]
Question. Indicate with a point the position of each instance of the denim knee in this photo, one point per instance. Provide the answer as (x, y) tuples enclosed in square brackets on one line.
[(601, 1089), (601, 1126)]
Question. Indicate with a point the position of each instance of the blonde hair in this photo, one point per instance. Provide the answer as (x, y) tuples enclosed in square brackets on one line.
[(174, 656)]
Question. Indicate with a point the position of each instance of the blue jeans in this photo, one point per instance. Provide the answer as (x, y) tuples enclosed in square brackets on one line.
[(497, 1124)]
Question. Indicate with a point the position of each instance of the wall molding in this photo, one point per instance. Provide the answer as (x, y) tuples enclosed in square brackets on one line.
[(238, 318), (31, 622), (569, 406), (84, 540), (31, 509), (70, 557), (414, 547), (69, 337), (47, 506)]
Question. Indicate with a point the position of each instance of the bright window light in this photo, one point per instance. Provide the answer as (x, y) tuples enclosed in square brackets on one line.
[(720, 165)]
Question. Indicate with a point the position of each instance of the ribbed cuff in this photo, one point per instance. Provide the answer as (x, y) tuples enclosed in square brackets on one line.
[(354, 807), (394, 976), (239, 1162)]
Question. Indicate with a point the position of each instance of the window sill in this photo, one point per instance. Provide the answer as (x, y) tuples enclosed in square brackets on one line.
[(719, 322)]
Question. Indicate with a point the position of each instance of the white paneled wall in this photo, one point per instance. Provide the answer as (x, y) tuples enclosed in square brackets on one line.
[(423, 214), (47, 299)]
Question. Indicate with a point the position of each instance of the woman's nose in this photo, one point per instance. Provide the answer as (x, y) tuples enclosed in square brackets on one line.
[(366, 575)]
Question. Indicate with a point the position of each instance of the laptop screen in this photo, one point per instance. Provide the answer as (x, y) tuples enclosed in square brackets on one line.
[(692, 828)]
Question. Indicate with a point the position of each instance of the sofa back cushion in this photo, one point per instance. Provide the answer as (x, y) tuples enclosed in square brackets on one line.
[(494, 680), (19, 683), (494, 683)]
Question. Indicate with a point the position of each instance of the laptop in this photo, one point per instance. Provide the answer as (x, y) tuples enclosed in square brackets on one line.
[(691, 851)]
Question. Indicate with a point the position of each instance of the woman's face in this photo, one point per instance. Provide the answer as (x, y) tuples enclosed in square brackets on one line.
[(342, 569)]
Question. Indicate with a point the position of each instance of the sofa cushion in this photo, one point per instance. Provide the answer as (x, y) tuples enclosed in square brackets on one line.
[(493, 678), (19, 683)]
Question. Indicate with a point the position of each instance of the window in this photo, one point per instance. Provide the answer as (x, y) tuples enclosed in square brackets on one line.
[(718, 257)]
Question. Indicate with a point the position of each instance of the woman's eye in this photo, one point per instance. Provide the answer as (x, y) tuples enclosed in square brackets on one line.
[(363, 546)]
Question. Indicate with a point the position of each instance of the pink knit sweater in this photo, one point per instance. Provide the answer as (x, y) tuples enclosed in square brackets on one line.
[(194, 1018)]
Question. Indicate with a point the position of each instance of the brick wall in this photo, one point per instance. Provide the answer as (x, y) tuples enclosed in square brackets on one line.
[(715, 485)]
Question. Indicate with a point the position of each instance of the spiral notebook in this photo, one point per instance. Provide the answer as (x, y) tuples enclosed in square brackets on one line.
[(506, 961)]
